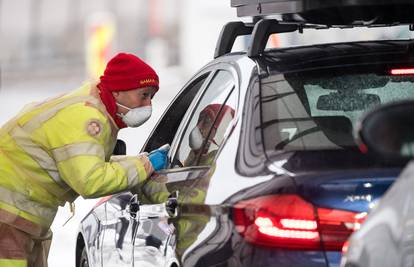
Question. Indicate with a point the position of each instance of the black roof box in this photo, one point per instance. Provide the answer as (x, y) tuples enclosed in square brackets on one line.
[(331, 12)]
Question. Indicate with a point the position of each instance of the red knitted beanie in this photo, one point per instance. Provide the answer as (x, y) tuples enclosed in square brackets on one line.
[(212, 110), (126, 71)]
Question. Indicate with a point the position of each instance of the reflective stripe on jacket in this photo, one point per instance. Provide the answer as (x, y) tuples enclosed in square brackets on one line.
[(58, 149)]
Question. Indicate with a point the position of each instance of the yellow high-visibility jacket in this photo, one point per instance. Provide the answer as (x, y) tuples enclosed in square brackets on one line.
[(56, 150)]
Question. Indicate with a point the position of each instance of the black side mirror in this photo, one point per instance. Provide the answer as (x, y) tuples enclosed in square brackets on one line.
[(120, 148), (171, 205), (134, 206), (388, 131)]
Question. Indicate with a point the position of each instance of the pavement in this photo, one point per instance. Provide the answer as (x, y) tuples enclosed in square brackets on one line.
[(15, 92)]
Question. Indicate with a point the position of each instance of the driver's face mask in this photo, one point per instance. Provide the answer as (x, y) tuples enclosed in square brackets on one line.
[(135, 116), (195, 139)]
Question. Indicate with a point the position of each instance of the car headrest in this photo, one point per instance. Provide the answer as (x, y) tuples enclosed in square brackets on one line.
[(338, 129)]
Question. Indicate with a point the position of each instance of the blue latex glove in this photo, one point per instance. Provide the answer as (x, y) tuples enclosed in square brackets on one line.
[(158, 157)]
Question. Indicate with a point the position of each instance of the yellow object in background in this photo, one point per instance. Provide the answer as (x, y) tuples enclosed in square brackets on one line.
[(100, 43)]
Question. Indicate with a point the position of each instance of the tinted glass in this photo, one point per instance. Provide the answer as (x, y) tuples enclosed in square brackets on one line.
[(208, 124), (316, 111), (173, 117)]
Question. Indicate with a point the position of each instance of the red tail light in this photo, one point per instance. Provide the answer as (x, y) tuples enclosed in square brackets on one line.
[(345, 247), (407, 71), (288, 221)]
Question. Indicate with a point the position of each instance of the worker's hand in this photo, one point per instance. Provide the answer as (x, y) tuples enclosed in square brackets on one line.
[(159, 157)]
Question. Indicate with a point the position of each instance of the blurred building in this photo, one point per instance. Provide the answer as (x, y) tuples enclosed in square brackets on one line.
[(50, 36), (48, 33)]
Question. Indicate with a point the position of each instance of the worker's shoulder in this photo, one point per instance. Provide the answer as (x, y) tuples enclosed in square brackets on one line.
[(83, 118), (85, 102), (84, 110)]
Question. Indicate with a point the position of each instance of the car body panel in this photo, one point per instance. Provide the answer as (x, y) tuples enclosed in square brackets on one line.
[(123, 239), (91, 234)]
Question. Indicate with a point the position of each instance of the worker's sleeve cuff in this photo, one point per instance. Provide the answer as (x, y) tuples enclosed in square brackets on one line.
[(137, 169), (146, 163)]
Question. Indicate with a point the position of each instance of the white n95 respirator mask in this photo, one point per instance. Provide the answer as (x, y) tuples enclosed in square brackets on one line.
[(135, 116), (195, 139)]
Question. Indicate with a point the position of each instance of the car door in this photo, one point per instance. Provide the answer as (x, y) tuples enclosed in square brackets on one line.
[(194, 147), (118, 231), (154, 237), (129, 224)]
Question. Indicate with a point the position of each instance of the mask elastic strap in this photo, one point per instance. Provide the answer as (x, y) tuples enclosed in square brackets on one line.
[(125, 107), (118, 104)]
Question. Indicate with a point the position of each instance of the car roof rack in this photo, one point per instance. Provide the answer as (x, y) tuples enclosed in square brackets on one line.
[(265, 7), (262, 31), (331, 13), (228, 36)]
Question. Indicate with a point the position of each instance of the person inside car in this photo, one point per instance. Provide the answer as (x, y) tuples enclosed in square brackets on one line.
[(205, 132)]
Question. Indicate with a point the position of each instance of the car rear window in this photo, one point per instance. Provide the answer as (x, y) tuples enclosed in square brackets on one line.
[(318, 110)]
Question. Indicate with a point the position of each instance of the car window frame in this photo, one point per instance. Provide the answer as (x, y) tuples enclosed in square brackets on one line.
[(173, 103), (192, 108)]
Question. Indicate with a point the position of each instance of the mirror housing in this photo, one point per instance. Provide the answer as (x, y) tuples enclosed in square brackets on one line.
[(388, 131), (171, 205), (120, 148), (133, 206)]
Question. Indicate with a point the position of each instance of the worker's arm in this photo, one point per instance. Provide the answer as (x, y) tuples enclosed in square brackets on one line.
[(154, 190), (79, 138)]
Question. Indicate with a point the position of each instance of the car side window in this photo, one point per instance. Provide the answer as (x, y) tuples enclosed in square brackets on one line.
[(174, 115), (208, 124)]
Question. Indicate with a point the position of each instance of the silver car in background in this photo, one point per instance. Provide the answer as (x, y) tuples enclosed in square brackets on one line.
[(387, 236)]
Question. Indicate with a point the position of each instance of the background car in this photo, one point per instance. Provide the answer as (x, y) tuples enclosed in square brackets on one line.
[(386, 238), (262, 155)]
